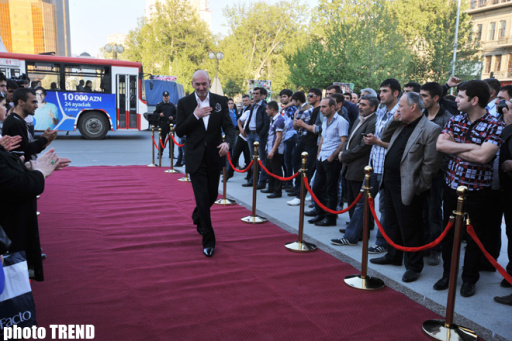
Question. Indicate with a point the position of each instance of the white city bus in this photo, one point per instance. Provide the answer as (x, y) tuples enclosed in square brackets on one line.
[(93, 95)]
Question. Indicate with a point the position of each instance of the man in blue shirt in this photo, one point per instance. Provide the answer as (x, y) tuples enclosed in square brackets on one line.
[(275, 149)]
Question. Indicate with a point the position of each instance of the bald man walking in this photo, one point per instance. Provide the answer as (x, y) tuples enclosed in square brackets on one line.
[(202, 117)]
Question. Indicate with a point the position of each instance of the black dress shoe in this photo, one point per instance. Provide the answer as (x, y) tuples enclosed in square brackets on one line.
[(199, 230), (385, 260), (247, 184), (315, 219), (260, 186), (293, 194), (312, 213), (208, 251), (504, 299), (326, 222), (410, 276), (342, 230), (43, 256), (266, 191), (442, 284), (467, 289), (274, 195)]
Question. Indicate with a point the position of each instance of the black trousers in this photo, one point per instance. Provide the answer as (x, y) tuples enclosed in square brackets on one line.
[(275, 166), (205, 183), (478, 204), (353, 190), (404, 223), (325, 186), (241, 146)]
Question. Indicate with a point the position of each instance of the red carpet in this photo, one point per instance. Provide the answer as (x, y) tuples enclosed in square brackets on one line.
[(124, 256)]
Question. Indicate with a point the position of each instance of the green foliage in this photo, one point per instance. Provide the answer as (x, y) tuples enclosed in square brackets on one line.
[(261, 35), (174, 42), (232, 88)]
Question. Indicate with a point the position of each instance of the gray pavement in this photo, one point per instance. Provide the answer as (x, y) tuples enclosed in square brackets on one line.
[(490, 320)]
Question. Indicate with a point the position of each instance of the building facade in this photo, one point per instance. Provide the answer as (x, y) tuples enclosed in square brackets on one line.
[(35, 26), (492, 24)]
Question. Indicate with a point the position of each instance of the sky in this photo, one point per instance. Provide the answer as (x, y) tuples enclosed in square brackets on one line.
[(91, 26)]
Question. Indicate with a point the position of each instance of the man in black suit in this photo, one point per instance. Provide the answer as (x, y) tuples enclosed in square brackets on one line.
[(202, 117)]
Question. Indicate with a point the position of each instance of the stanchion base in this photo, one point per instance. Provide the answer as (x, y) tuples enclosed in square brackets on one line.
[(300, 246), (38, 213), (225, 202), (152, 165), (254, 219), (171, 171), (437, 330), (38, 196), (184, 179), (368, 283)]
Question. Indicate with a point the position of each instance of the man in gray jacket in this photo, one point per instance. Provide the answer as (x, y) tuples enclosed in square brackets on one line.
[(410, 163)]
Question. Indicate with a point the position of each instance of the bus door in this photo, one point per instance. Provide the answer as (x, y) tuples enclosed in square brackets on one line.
[(126, 101)]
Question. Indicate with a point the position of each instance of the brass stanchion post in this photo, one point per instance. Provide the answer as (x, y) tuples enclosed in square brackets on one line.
[(152, 164), (160, 153), (171, 147), (186, 178), (224, 201), (447, 330), (254, 219), (300, 245), (363, 281)]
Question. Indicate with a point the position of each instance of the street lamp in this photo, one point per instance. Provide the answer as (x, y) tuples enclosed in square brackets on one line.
[(115, 49), (218, 56)]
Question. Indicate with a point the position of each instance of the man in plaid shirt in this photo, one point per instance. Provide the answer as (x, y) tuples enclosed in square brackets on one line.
[(471, 140)]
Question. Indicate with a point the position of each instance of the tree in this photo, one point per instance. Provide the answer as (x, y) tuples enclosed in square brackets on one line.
[(231, 88), (260, 37), (174, 41)]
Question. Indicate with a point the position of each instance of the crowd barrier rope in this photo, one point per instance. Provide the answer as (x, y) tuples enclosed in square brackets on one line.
[(176, 143), (501, 270), (327, 209), (277, 176), (239, 170), (154, 142), (405, 248), (164, 144)]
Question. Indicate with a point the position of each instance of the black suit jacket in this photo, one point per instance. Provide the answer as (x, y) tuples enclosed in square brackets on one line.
[(262, 120), (198, 138), (357, 156), (15, 125)]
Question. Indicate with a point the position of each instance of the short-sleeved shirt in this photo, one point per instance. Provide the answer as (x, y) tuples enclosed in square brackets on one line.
[(475, 176), (288, 121), (378, 153), (304, 115), (276, 124), (332, 133)]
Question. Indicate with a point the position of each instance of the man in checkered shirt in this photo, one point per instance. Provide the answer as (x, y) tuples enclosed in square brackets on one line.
[(471, 140)]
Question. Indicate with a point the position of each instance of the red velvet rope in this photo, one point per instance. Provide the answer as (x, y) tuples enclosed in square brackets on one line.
[(176, 143), (277, 177), (498, 267), (165, 144), (239, 171), (154, 142), (325, 208), (405, 248)]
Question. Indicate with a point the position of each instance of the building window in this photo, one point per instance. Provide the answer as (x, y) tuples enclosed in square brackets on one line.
[(501, 32), (474, 3), (479, 32), (509, 67), (492, 30), (482, 3), (487, 68), (497, 63), (494, 2)]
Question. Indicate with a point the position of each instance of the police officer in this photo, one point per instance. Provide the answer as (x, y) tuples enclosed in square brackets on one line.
[(165, 112)]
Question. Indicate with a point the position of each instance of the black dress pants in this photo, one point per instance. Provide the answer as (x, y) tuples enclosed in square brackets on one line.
[(325, 187), (275, 166), (477, 204), (404, 223), (205, 183)]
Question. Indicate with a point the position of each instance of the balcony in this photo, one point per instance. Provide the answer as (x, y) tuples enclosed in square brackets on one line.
[(478, 6), (495, 44)]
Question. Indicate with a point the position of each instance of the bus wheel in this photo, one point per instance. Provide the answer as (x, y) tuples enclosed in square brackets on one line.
[(93, 126)]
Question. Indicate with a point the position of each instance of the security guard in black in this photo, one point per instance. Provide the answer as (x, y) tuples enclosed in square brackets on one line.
[(166, 113)]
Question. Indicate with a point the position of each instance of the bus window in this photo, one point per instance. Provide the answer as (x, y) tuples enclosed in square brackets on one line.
[(94, 74), (47, 73)]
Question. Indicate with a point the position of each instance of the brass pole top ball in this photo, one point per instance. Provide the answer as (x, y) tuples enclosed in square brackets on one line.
[(368, 170), (256, 144), (462, 191), (304, 155)]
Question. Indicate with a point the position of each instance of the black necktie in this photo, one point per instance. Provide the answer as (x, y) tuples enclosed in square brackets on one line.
[(254, 107)]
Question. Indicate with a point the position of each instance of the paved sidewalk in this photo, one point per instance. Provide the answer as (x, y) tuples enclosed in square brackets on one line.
[(490, 320)]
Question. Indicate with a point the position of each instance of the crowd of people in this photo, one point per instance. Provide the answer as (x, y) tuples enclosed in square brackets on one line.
[(421, 143), (22, 172)]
